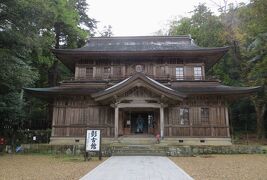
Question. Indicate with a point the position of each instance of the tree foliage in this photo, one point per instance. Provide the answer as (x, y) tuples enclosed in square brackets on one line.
[(244, 29), (28, 30)]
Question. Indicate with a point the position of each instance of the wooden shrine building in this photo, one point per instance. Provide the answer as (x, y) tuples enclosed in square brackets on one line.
[(141, 87)]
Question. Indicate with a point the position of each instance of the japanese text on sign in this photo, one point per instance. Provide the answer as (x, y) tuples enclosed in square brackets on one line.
[(93, 140)]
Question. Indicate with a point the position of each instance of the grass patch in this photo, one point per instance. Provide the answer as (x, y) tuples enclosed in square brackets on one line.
[(70, 158)]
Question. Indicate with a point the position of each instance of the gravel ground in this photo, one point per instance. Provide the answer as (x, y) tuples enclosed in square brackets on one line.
[(234, 167), (44, 167), (217, 167)]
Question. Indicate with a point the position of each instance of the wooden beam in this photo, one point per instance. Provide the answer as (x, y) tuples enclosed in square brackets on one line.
[(116, 122), (138, 105), (162, 121), (227, 121)]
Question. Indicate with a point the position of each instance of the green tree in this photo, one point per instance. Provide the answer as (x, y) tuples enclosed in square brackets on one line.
[(244, 29), (28, 30), (107, 31), (253, 30), (208, 31), (69, 16), (18, 35)]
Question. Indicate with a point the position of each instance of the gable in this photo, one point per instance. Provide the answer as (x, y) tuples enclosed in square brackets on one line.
[(138, 83)]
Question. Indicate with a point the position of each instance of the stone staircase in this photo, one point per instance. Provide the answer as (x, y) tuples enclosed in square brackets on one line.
[(137, 150), (137, 140), (137, 146)]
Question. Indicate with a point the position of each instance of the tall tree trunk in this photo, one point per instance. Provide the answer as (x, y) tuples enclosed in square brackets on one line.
[(260, 112), (53, 72)]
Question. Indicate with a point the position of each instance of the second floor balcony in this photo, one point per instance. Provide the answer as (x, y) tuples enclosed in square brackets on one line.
[(157, 77)]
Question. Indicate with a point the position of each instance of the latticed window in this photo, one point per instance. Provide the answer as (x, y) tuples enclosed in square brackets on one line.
[(197, 73), (107, 71), (204, 115), (89, 72), (179, 72), (184, 116)]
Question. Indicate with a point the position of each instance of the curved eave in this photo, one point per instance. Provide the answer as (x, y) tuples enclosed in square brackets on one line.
[(145, 81), (221, 90), (69, 56), (85, 51), (57, 91)]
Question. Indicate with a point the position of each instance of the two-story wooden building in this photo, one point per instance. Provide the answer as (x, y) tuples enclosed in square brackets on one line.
[(140, 87)]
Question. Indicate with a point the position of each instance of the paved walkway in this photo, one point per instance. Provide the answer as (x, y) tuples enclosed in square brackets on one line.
[(137, 168)]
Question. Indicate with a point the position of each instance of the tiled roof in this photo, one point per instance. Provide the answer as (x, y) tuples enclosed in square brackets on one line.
[(140, 47), (139, 43)]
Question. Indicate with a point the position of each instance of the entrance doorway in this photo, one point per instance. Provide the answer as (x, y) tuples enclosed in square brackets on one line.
[(139, 122)]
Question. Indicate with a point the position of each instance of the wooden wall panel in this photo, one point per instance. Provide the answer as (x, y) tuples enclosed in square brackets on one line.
[(216, 127), (72, 115), (222, 115), (189, 71), (70, 112), (117, 71), (55, 116), (99, 72), (166, 117), (129, 70), (174, 115), (80, 72), (60, 132), (160, 69)]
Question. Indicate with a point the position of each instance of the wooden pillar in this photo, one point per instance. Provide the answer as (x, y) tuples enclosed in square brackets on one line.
[(203, 72), (76, 71), (212, 129), (111, 75), (227, 121), (123, 71), (154, 70), (116, 120), (54, 119), (161, 121), (94, 72)]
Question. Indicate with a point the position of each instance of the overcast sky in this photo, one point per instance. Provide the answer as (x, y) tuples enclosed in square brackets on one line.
[(143, 17)]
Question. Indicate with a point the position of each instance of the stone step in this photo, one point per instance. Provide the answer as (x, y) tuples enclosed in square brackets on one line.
[(137, 141), (138, 154), (133, 147), (138, 150), (123, 150)]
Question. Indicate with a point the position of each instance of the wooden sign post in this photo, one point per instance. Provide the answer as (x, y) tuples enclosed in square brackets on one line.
[(93, 142)]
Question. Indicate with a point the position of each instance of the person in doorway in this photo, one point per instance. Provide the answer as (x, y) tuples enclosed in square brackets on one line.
[(139, 124)]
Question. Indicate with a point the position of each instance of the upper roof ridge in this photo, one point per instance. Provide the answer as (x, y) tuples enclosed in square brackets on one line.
[(141, 37)]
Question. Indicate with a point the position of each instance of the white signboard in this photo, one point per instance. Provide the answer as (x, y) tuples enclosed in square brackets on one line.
[(92, 140)]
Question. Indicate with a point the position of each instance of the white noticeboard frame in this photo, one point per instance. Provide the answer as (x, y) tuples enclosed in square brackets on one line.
[(92, 140)]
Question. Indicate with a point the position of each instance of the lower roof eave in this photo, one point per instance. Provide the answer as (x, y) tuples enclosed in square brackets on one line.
[(43, 92), (244, 92)]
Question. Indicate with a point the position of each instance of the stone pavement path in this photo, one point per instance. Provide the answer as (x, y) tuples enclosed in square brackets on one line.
[(137, 168)]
